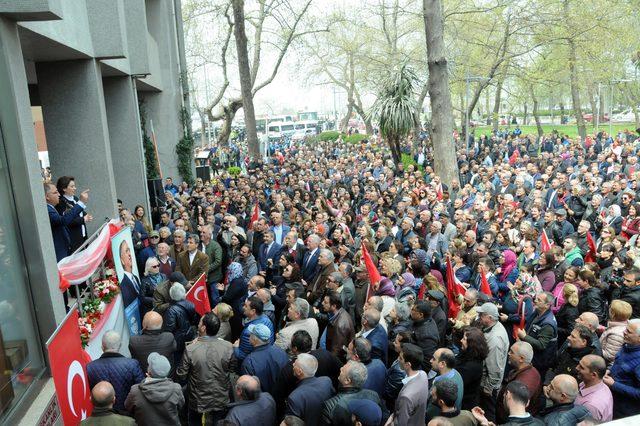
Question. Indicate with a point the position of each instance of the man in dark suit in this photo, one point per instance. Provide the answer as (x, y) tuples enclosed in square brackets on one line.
[(373, 331), (152, 339), (192, 262), (292, 247), (552, 197), (307, 400), (279, 229), (269, 252), (310, 266), (59, 222), (129, 283)]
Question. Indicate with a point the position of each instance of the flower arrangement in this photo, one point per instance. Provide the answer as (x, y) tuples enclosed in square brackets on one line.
[(86, 327), (106, 289)]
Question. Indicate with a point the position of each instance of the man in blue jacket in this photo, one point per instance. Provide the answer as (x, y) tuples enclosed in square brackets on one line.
[(373, 331), (307, 400), (266, 360), (59, 223), (624, 376), (253, 312)]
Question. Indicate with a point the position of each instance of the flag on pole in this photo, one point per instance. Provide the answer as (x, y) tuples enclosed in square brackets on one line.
[(374, 275), (454, 289), (199, 296), (254, 216), (484, 283), (591, 254), (521, 311), (545, 243)]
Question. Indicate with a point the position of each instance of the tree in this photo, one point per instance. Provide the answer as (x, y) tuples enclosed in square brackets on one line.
[(394, 108), (444, 158), (245, 79)]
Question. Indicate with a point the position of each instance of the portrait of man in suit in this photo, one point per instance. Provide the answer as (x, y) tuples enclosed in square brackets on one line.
[(129, 283)]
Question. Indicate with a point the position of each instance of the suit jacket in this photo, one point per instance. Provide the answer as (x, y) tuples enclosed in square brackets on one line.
[(149, 341), (192, 271), (411, 404), (272, 253), (298, 253), (77, 227), (128, 290), (379, 343), (59, 230), (310, 266), (551, 200), (383, 245), (307, 400), (285, 231)]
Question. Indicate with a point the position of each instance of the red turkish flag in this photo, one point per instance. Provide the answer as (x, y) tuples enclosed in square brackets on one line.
[(454, 289), (484, 283), (523, 318), (545, 244), (254, 216), (198, 295), (374, 275), (69, 371), (591, 254)]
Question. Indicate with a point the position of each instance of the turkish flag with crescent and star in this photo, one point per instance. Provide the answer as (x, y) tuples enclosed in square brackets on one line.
[(69, 371), (198, 295)]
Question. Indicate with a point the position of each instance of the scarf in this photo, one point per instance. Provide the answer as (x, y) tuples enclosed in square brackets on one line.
[(510, 261), (234, 270)]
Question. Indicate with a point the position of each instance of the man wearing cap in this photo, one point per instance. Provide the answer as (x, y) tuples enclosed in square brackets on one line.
[(435, 298), (494, 363), (150, 251), (561, 228), (542, 334), (364, 412), (157, 399), (266, 360)]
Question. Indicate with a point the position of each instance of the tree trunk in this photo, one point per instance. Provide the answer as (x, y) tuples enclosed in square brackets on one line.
[(487, 102), (525, 119), (561, 113), (229, 113), (575, 91), (593, 105), (417, 122), (344, 124), (394, 146), (444, 159), (601, 100), (496, 106), (246, 85), (536, 116)]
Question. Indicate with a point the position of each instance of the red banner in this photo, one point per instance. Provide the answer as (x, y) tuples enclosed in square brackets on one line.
[(454, 289), (198, 295), (484, 283), (69, 371), (374, 275)]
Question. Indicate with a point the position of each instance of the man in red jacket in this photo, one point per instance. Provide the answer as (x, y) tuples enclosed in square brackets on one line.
[(520, 356)]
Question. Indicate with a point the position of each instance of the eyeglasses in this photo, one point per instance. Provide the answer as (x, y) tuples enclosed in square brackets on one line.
[(155, 266), (154, 236)]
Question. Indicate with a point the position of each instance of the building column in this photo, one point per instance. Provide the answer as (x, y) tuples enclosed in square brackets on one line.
[(126, 141), (77, 131)]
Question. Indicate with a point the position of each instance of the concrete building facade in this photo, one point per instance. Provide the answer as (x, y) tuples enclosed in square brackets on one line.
[(87, 64)]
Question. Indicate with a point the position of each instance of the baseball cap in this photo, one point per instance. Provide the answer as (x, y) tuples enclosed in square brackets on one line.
[(154, 234), (561, 212), (261, 331), (159, 365), (435, 294), (489, 309), (366, 411)]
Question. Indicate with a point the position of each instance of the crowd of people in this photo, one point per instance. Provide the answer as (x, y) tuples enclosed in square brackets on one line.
[(539, 239)]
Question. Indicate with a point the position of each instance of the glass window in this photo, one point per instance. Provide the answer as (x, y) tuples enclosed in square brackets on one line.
[(20, 351)]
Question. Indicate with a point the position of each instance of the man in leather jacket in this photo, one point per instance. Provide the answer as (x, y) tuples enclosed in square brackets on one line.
[(340, 330)]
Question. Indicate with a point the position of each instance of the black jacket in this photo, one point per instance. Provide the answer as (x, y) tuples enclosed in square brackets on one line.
[(149, 341), (592, 300), (335, 411), (566, 319), (180, 319), (471, 372), (428, 338), (630, 295)]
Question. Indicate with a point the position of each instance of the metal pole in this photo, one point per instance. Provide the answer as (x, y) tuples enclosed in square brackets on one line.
[(598, 110), (466, 111), (611, 112)]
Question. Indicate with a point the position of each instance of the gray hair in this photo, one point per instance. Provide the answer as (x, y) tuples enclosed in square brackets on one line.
[(356, 373), (403, 311), (164, 229), (337, 276), (177, 292), (301, 306), (308, 364), (194, 237), (633, 322), (371, 317), (328, 254), (376, 303), (523, 349), (147, 266), (111, 341), (180, 232), (314, 238), (472, 293)]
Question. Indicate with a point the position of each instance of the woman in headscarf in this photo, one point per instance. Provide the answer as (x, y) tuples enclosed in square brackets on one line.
[(507, 272), (387, 292), (614, 218), (404, 287), (520, 298), (234, 296)]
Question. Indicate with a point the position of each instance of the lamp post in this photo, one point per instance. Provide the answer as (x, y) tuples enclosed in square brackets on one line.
[(469, 78), (614, 81)]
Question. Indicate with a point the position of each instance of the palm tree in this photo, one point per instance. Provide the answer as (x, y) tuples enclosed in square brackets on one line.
[(395, 107)]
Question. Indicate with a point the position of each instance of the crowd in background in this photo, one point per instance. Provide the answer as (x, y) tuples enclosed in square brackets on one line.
[(539, 237)]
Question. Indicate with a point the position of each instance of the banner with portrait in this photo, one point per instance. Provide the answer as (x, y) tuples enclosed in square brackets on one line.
[(128, 278)]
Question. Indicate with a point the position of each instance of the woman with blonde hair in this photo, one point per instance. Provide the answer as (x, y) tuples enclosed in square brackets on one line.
[(224, 313), (568, 313), (612, 338)]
